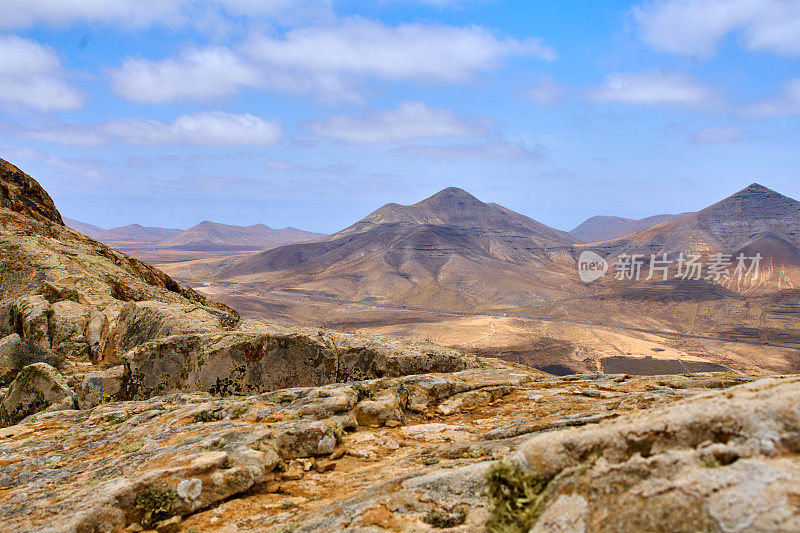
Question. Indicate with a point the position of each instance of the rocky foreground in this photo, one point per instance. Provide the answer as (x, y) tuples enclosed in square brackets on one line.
[(129, 403), (498, 447)]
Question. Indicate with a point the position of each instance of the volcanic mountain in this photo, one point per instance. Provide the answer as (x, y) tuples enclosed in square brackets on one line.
[(449, 250), (208, 236), (605, 228), (755, 220)]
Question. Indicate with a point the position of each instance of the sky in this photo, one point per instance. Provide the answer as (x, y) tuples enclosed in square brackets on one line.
[(314, 113)]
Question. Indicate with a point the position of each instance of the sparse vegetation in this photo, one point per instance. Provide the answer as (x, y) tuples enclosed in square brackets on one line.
[(208, 415), (364, 392), (514, 497), (132, 447), (156, 503), (238, 410), (339, 434), (443, 519)]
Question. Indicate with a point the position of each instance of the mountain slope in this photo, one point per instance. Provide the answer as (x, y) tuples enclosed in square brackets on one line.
[(208, 236), (724, 226), (604, 228), (450, 250), (90, 230), (755, 220), (139, 233)]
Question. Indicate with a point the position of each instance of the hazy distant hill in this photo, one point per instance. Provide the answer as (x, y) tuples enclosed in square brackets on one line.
[(132, 233), (208, 236), (450, 249), (604, 228)]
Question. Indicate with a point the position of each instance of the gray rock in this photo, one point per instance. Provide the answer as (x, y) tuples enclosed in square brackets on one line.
[(101, 386), (380, 410), (37, 387)]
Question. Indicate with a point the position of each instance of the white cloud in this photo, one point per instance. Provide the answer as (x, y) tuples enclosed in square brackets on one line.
[(408, 52), (786, 103), (412, 120), (718, 134), (31, 76), (697, 26), (195, 74), (489, 150), (329, 62), (665, 88), (213, 128), (139, 13)]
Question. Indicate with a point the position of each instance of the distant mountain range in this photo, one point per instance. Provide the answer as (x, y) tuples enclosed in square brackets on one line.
[(448, 250), (454, 250), (605, 228), (206, 236)]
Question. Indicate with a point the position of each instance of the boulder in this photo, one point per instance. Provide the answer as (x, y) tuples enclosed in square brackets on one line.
[(101, 386), (140, 322), (37, 387), (11, 347), (385, 407), (31, 318), (270, 357), (67, 328)]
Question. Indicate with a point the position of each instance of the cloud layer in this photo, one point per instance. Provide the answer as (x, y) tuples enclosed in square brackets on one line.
[(659, 88), (411, 120), (328, 62), (697, 26), (31, 77), (212, 128)]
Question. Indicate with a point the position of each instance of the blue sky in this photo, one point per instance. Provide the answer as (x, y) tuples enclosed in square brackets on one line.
[(312, 113)]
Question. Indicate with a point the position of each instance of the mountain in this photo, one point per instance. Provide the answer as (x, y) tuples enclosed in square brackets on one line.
[(449, 249), (605, 228), (724, 226), (212, 236), (132, 233), (755, 220), (138, 233), (89, 230)]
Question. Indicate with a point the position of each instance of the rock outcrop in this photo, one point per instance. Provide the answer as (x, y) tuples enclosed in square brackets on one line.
[(37, 387), (23, 194), (718, 462), (248, 362)]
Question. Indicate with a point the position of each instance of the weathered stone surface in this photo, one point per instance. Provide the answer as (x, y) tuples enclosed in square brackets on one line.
[(716, 462), (233, 463), (37, 387), (30, 316), (67, 327), (385, 407), (304, 439), (11, 347), (101, 386), (247, 363), (140, 322)]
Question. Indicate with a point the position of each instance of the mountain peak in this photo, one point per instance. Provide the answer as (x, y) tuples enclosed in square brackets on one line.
[(451, 197)]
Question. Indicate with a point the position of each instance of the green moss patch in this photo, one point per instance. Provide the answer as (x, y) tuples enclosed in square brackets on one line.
[(156, 503), (514, 497)]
